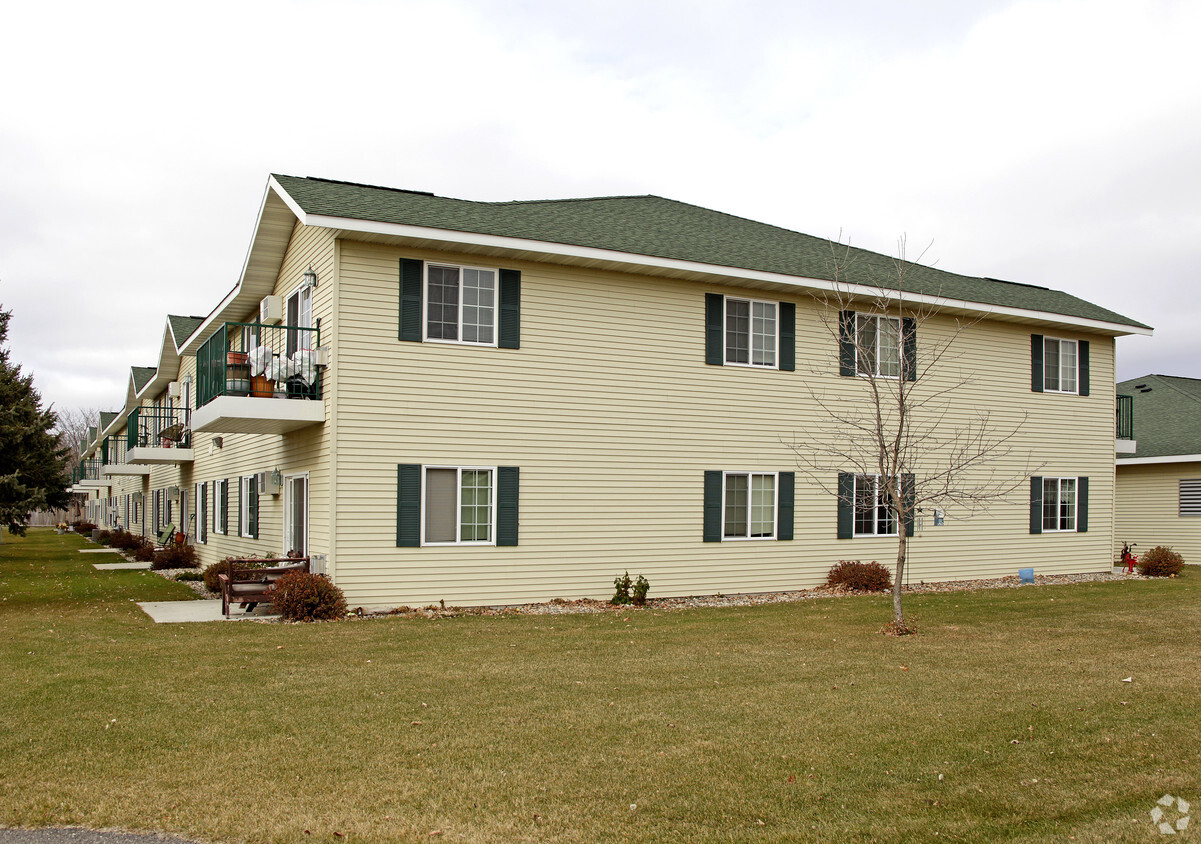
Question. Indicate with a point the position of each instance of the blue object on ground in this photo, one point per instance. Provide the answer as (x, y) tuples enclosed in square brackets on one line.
[(1026, 575)]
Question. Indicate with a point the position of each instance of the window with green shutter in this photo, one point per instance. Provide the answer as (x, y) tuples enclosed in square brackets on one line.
[(748, 505)]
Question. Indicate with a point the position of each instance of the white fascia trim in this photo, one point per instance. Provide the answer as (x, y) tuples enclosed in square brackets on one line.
[(590, 253), (1169, 458)]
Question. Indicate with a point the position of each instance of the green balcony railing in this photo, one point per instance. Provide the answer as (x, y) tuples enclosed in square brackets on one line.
[(263, 361), (1125, 417), (112, 450), (87, 470), (158, 427)]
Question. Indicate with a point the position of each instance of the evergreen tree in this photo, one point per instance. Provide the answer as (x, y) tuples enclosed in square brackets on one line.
[(33, 464)]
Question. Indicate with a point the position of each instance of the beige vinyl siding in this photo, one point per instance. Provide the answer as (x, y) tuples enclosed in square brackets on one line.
[(612, 416), (1148, 510), (294, 453)]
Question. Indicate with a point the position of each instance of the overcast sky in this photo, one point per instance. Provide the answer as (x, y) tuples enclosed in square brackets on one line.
[(1052, 142)]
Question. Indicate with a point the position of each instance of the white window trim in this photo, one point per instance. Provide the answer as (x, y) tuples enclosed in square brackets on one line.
[(775, 506), (875, 510), (201, 529), (1076, 376), (725, 343), (218, 511), (876, 353), (1059, 495), (425, 300), (244, 483), (459, 504)]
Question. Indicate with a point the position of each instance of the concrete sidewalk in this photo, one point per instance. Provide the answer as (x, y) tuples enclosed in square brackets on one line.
[(122, 566), (179, 612)]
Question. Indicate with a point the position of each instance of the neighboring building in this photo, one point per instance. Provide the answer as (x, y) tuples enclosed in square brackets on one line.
[(1159, 484), (501, 402)]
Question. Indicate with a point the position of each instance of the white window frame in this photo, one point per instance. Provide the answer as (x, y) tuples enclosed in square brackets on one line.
[(1075, 517), (875, 352), (425, 302), (725, 333), (876, 493), (244, 482), (201, 530), (1059, 370), (775, 505), (218, 513), (459, 470)]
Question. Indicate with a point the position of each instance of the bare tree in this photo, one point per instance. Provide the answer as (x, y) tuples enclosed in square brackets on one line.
[(72, 427), (903, 442)]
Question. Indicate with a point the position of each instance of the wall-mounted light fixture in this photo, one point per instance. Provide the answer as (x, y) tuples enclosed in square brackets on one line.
[(218, 442), (310, 277)]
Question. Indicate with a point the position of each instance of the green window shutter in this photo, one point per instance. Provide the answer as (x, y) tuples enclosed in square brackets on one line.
[(1082, 360), (509, 336), (204, 513), (909, 349), (252, 507), (712, 529), (408, 505), (908, 494), (225, 506), (787, 337), (1081, 505), (846, 505), (1036, 504), (411, 272), (507, 484), (784, 512), (241, 492), (1036, 367), (846, 349), (715, 335)]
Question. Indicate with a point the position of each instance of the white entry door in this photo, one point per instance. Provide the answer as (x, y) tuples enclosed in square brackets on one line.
[(296, 514)]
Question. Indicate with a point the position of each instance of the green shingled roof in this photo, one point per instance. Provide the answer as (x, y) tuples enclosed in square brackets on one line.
[(664, 228), (106, 418), (142, 376), (183, 327), (1167, 414)]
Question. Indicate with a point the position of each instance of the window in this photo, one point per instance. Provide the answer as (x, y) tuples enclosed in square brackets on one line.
[(299, 315), (459, 505), (749, 505), (1059, 504), (751, 329), (1190, 498), (460, 304), (874, 515), (296, 514), (878, 346), (202, 513), (220, 501), (1059, 365), (248, 506)]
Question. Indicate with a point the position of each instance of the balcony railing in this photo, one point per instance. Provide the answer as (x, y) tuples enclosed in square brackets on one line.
[(158, 427), (260, 361), (1125, 428), (112, 450), (87, 470)]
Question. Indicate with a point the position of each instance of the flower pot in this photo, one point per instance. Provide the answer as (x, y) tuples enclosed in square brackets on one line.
[(262, 387), (237, 359)]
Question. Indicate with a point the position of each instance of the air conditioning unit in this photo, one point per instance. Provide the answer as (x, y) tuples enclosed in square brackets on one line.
[(137, 498), (270, 483), (173, 390), (271, 310)]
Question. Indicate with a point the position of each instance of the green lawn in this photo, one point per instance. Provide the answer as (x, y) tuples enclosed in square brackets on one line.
[(1004, 719)]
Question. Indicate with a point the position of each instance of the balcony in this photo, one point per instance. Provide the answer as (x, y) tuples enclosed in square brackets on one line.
[(87, 475), (1125, 425), (158, 436), (113, 454), (259, 379)]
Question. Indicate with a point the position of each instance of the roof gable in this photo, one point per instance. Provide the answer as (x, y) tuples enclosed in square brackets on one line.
[(1167, 415)]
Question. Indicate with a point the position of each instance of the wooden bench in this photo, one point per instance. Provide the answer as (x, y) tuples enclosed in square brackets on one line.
[(248, 580)]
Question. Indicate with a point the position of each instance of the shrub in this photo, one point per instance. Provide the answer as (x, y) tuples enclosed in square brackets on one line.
[(210, 572), (175, 557), (621, 586), (302, 596), (641, 587), (123, 540), (189, 576), (1160, 561), (860, 577), (104, 537), (143, 551), (85, 528)]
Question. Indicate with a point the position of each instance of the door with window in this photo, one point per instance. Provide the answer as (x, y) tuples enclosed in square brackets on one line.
[(296, 514)]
